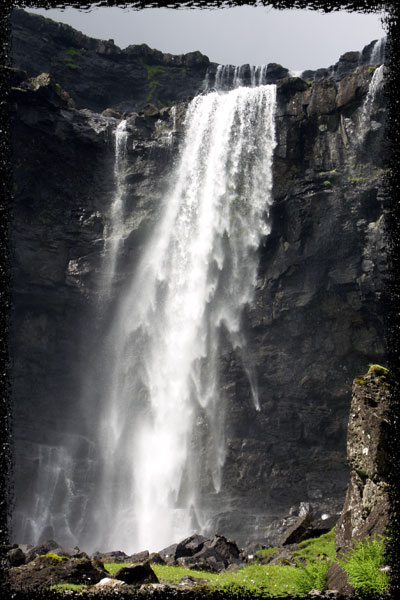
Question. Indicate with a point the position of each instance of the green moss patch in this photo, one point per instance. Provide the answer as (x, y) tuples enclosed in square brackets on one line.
[(378, 370), (52, 559)]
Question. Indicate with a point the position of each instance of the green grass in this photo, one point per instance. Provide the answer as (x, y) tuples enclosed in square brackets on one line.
[(362, 566), (265, 552), (64, 587), (322, 546), (265, 580)]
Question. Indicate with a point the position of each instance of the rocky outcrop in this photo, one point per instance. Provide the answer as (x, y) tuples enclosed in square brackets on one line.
[(366, 508), (99, 75), (365, 512), (51, 569), (317, 315)]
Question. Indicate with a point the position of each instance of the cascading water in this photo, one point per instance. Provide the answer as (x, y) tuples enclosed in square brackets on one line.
[(162, 418), (116, 229), (228, 77), (365, 116), (378, 52)]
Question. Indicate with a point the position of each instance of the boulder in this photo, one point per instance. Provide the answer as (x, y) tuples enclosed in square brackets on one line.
[(168, 554), (46, 571), (137, 574), (214, 555), (336, 579), (190, 546), (298, 532), (110, 112), (157, 559), (15, 557), (42, 548), (139, 557), (114, 556)]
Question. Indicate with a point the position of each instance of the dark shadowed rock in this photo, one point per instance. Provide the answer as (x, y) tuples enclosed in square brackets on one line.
[(139, 557), (336, 579), (45, 571), (15, 557), (168, 554), (213, 555), (40, 549), (190, 546), (114, 556), (157, 559), (298, 532), (137, 574)]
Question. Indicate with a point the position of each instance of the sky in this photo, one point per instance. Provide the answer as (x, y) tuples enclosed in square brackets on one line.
[(296, 39)]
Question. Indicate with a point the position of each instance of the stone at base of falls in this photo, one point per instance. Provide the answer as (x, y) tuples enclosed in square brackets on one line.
[(45, 571), (298, 532), (212, 555), (137, 574), (190, 546), (15, 557)]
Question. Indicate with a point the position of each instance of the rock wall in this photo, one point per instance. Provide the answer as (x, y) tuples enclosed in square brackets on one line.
[(317, 315)]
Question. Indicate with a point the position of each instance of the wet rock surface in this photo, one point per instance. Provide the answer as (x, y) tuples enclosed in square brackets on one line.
[(317, 315)]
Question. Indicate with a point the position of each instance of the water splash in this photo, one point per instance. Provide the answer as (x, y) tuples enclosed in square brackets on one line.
[(162, 420)]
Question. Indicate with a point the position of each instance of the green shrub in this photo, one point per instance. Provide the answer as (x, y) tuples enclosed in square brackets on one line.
[(311, 576), (362, 567)]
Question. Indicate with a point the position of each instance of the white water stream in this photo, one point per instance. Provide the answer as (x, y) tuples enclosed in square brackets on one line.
[(115, 232), (195, 277)]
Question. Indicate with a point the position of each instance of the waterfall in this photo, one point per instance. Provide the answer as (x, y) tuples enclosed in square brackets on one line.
[(228, 77), (378, 52), (115, 231), (161, 433), (366, 110)]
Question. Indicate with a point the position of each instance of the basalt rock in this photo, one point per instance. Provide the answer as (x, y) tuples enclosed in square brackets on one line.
[(137, 574), (45, 571), (366, 508)]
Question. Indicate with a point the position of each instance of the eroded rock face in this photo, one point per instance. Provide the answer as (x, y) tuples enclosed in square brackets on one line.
[(315, 321), (366, 507)]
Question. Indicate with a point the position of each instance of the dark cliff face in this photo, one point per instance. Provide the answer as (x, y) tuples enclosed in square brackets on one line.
[(98, 74), (317, 315)]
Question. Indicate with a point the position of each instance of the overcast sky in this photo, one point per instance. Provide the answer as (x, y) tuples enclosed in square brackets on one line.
[(297, 39)]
